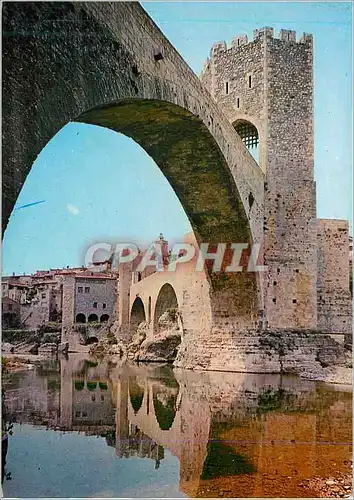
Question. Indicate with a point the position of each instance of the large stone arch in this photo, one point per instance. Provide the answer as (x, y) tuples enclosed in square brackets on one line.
[(108, 64)]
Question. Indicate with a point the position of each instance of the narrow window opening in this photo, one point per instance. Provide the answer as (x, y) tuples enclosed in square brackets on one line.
[(227, 88), (294, 301), (238, 102), (274, 283), (250, 81), (275, 301)]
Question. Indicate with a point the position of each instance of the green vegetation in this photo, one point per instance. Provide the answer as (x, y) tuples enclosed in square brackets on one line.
[(53, 385), (50, 327), (221, 460), (272, 400), (79, 385), (165, 413)]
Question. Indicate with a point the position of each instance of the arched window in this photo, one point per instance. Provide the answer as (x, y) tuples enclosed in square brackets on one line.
[(249, 134), (92, 318), (104, 317), (80, 318)]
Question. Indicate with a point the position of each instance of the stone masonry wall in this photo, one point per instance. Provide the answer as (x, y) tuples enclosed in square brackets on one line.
[(333, 299), (268, 82), (100, 291)]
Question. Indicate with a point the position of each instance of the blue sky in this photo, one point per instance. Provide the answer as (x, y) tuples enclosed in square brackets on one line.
[(100, 186)]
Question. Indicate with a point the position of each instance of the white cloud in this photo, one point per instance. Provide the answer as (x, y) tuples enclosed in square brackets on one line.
[(72, 209)]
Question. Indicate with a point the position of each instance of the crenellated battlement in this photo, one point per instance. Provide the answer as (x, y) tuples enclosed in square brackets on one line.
[(265, 32)]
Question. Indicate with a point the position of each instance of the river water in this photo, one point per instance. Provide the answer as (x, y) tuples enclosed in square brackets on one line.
[(88, 428)]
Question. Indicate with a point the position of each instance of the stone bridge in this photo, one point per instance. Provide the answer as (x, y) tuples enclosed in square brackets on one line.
[(185, 289), (108, 64)]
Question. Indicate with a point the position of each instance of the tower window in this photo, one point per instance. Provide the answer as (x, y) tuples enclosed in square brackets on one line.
[(238, 102), (248, 133), (226, 88), (250, 81), (294, 301), (275, 301)]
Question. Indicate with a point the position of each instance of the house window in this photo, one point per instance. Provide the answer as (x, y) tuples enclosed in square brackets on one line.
[(93, 398), (43, 295), (294, 301), (80, 289), (87, 289), (104, 305), (226, 88), (10, 307), (95, 305), (102, 398)]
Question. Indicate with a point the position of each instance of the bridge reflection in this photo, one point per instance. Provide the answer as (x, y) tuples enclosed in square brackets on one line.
[(260, 434)]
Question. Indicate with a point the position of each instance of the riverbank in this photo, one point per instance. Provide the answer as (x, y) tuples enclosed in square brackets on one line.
[(16, 363), (340, 485)]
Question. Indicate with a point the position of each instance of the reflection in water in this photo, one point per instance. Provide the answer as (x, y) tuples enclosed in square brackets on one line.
[(171, 433), (165, 396), (136, 393)]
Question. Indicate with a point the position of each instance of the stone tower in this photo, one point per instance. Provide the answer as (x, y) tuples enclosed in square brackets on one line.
[(265, 88)]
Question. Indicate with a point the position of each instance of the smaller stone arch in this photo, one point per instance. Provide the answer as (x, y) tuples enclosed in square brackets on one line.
[(80, 318), (166, 305), (92, 318), (137, 315), (104, 318)]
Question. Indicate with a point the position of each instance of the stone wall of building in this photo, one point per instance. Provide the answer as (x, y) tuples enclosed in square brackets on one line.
[(95, 295), (333, 296)]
